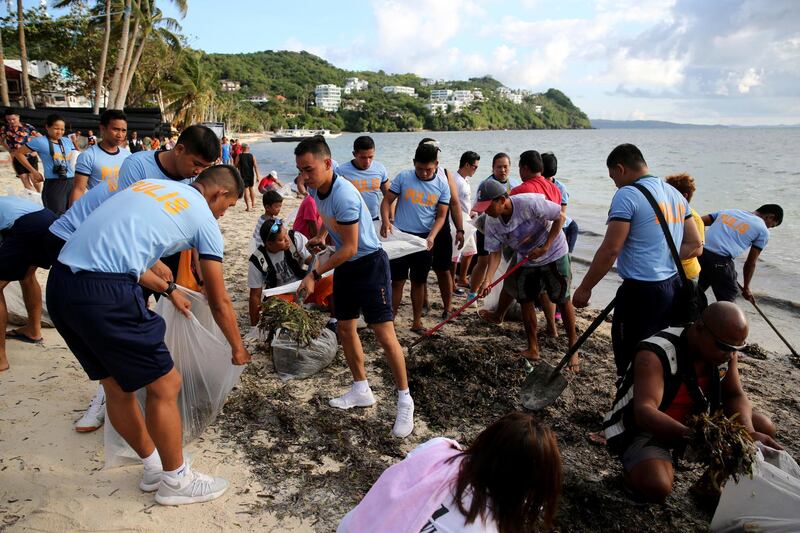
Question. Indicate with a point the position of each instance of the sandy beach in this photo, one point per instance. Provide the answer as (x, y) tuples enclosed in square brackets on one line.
[(297, 465)]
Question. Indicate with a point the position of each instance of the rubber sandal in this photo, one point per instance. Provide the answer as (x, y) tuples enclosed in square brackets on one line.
[(17, 336)]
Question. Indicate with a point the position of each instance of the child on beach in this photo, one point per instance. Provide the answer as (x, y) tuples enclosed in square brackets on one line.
[(270, 182), (272, 202)]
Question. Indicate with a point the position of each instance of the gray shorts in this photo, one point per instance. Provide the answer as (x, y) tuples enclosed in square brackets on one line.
[(554, 279), (643, 448)]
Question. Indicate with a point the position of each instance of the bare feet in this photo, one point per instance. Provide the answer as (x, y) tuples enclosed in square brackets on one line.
[(490, 317), (574, 366), (530, 355), (4, 363), (419, 329)]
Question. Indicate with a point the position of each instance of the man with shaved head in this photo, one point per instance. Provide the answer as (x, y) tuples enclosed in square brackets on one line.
[(676, 373)]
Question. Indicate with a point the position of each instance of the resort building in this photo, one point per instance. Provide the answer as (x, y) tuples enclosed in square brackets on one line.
[(328, 97), (436, 108), (399, 89), (441, 95), (229, 86), (354, 85)]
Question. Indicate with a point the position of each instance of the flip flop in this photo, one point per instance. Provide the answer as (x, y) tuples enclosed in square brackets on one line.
[(17, 336), (419, 331)]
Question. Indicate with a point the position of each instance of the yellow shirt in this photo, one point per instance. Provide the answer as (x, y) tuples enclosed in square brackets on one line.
[(692, 266)]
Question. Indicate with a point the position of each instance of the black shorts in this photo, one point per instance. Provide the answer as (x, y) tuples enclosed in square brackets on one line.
[(53, 244), (104, 321), (719, 273), (414, 266), (480, 244), (249, 181), (443, 249), (55, 195), (19, 169), (363, 286), (23, 245)]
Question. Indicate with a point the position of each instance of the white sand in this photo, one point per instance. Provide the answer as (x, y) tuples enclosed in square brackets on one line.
[(52, 478)]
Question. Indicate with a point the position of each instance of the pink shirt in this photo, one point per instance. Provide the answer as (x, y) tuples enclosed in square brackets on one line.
[(307, 212)]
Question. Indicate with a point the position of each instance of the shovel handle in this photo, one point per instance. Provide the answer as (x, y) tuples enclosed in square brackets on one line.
[(586, 334), (458, 311), (778, 333)]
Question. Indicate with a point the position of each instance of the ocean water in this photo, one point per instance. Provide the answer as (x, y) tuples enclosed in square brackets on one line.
[(733, 168)]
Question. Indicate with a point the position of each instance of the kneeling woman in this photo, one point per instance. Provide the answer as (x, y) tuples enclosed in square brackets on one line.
[(503, 482)]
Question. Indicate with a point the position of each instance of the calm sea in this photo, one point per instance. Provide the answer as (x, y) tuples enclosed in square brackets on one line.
[(733, 168)]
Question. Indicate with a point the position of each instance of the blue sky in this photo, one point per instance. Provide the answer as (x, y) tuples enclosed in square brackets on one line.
[(701, 61)]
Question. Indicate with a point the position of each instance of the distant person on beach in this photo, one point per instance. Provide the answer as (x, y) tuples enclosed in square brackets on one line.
[(442, 252), (125, 349), (155, 143), (272, 202), (635, 240), (501, 168), (508, 480), (467, 166), (147, 143), (530, 225), (23, 227), (549, 170), (102, 161), (368, 176), (135, 144), (362, 282), (236, 151), (308, 221), (15, 134), (248, 168), (225, 146), (729, 233), (91, 140), (422, 196), (685, 185), (282, 258), (54, 150), (270, 182), (676, 373)]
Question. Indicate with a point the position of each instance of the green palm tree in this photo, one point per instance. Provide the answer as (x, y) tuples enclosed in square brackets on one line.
[(23, 56), (189, 95)]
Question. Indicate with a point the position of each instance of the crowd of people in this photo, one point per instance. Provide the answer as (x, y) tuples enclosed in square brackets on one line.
[(118, 227)]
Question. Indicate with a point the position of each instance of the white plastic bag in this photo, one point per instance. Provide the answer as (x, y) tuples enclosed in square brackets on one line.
[(399, 243), (492, 299), (470, 246), (294, 362), (203, 358), (26, 194), (769, 502)]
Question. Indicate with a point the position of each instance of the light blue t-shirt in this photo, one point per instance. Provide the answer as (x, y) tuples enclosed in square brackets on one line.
[(564, 200), (66, 224), (527, 229), (100, 165), (226, 152), (41, 145), (368, 182), (734, 231), (418, 200), (645, 256), (344, 205), (13, 207), (131, 230), (146, 166)]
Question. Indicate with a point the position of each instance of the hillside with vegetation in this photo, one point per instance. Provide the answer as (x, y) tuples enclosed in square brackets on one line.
[(288, 80)]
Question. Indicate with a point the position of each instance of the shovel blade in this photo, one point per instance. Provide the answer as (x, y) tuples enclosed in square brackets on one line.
[(541, 388)]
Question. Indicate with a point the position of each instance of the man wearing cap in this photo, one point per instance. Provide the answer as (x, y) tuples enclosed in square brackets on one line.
[(530, 225), (730, 232), (423, 196)]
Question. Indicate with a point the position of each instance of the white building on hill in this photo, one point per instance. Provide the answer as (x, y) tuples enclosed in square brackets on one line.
[(436, 108), (328, 97), (399, 89), (440, 95), (354, 85)]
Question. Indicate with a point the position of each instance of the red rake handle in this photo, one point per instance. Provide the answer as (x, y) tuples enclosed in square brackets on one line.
[(438, 326)]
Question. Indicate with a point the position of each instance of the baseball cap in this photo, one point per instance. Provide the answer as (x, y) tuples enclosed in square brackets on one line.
[(490, 189)]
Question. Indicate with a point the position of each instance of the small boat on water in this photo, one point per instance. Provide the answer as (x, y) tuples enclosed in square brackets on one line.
[(299, 134)]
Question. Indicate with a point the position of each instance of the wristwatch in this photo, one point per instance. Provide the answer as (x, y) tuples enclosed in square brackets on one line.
[(317, 275), (171, 287)]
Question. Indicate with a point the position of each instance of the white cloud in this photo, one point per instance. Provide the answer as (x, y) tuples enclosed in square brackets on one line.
[(654, 72), (750, 79)]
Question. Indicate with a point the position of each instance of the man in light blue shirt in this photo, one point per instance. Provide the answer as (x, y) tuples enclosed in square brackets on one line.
[(361, 281), (95, 300), (23, 224), (101, 162), (730, 232), (423, 196), (368, 175), (635, 240)]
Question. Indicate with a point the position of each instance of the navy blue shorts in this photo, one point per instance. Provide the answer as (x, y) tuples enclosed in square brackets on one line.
[(53, 243), (443, 248), (23, 245), (642, 309), (364, 286), (719, 273), (104, 321), (415, 267)]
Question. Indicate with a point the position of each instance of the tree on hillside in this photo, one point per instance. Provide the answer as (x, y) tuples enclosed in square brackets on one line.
[(189, 95)]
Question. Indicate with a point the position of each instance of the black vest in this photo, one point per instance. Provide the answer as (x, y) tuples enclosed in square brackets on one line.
[(260, 258)]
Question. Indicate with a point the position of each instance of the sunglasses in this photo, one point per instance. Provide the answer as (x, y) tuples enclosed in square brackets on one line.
[(275, 228), (724, 346)]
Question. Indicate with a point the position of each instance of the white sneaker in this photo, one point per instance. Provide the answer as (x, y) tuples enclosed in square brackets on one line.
[(404, 423), (151, 479), (94, 416), (353, 399), (192, 487)]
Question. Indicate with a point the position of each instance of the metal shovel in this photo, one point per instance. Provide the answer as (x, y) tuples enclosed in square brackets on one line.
[(544, 383)]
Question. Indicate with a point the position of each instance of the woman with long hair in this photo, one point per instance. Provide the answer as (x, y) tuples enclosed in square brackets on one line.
[(508, 481), (54, 150)]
